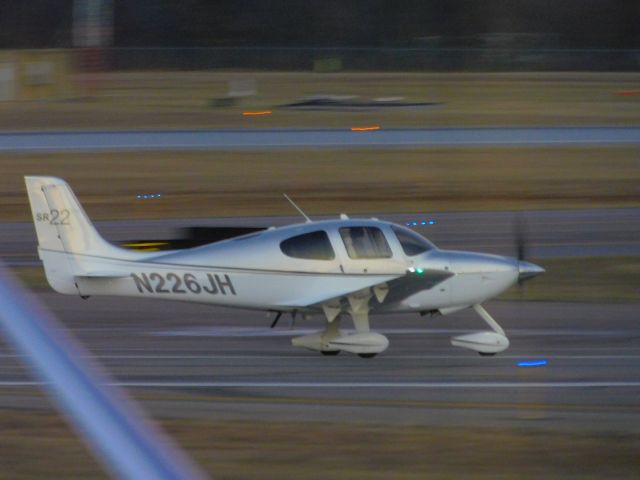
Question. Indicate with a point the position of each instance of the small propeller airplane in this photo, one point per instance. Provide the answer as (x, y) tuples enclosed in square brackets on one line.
[(335, 268)]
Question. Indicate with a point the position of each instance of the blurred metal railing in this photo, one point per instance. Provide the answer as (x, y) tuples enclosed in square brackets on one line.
[(112, 423)]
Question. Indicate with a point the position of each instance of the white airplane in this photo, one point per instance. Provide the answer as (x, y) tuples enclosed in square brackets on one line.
[(336, 268)]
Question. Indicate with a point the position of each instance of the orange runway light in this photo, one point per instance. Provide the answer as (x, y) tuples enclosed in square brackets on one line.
[(628, 93), (365, 129), (253, 114)]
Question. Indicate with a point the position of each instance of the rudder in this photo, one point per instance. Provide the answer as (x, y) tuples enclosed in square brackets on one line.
[(66, 237), (61, 223)]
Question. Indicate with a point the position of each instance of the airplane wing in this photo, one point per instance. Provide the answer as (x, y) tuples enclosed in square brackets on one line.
[(399, 287), (408, 285), (339, 288)]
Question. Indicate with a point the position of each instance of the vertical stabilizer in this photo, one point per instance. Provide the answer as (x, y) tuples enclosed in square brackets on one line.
[(61, 223), (68, 243)]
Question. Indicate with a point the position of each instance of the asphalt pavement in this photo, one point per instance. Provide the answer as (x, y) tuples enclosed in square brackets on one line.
[(17, 142), (201, 362)]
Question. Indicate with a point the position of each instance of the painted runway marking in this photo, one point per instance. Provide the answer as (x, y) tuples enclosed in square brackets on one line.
[(128, 147), (267, 332), (323, 359), (352, 385)]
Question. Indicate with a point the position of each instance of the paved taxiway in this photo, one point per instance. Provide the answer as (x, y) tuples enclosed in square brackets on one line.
[(306, 138), (550, 233), (201, 362)]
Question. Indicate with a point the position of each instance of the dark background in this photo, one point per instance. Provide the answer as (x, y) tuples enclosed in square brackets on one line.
[(334, 23)]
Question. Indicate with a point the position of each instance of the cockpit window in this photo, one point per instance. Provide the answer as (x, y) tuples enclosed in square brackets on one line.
[(411, 242), (310, 246), (365, 242)]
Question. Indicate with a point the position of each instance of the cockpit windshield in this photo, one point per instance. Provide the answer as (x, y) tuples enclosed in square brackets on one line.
[(412, 243)]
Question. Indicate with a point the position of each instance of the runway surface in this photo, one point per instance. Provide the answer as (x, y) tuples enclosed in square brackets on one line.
[(200, 362), (306, 138), (550, 233)]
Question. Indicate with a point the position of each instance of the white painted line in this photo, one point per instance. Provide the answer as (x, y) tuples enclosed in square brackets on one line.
[(356, 385), (267, 332), (311, 356), (21, 384), (315, 144)]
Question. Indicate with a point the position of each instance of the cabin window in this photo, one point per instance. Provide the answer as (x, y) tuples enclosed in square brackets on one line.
[(412, 243), (365, 242), (309, 246)]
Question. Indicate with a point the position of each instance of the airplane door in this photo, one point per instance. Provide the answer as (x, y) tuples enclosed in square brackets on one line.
[(366, 250)]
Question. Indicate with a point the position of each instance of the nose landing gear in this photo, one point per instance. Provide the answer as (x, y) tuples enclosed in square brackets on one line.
[(485, 343)]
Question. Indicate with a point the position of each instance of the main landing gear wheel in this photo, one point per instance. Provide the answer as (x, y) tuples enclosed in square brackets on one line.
[(331, 340), (329, 353), (367, 355), (485, 354)]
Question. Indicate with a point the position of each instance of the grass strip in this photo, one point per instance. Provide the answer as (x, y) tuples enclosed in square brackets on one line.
[(231, 183), (38, 444)]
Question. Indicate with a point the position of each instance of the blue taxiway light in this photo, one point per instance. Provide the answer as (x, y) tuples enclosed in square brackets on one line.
[(414, 223), (147, 196), (533, 363)]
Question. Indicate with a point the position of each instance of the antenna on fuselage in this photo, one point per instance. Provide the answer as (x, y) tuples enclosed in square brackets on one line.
[(297, 207)]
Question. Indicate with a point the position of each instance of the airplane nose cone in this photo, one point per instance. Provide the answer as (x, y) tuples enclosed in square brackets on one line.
[(527, 270)]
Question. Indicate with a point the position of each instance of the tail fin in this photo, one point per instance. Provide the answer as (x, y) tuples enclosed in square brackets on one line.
[(61, 223), (69, 245)]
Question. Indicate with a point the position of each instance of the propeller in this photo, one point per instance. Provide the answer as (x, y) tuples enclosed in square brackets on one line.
[(520, 236), (526, 269)]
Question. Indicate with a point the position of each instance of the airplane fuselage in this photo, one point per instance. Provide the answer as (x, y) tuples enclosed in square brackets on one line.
[(342, 267), (254, 273)]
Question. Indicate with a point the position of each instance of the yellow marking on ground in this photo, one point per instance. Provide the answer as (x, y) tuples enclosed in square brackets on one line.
[(145, 244)]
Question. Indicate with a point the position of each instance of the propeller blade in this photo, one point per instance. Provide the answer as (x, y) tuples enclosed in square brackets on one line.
[(520, 239), (520, 235)]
